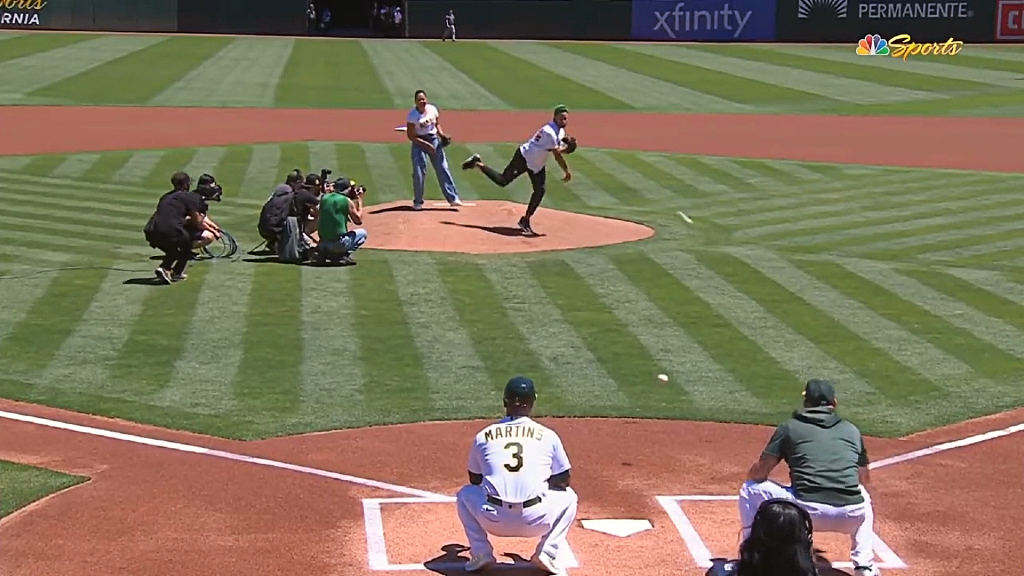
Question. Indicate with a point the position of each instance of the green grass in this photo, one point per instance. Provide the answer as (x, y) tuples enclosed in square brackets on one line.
[(343, 73), (22, 485), (764, 290)]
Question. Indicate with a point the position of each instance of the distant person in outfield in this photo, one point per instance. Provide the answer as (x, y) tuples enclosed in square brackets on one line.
[(342, 203), (449, 26), (423, 129), (828, 469)]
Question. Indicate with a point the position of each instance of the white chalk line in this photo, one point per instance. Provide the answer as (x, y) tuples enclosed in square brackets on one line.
[(376, 543), (946, 446), (177, 446)]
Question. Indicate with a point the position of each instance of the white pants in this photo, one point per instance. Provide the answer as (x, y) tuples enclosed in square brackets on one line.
[(549, 520), (856, 520)]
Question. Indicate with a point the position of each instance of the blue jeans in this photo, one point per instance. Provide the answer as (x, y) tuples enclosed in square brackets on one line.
[(347, 244), (419, 171)]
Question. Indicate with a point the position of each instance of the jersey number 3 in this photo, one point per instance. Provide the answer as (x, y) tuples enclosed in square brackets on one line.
[(517, 456)]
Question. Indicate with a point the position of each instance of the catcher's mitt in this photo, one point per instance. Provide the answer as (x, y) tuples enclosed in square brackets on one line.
[(445, 140), (570, 144)]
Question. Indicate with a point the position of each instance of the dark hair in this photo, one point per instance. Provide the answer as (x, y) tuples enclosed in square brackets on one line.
[(780, 543), (418, 92), (181, 181)]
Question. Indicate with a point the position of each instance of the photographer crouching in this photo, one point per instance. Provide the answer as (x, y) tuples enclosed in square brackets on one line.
[(180, 223), (341, 203)]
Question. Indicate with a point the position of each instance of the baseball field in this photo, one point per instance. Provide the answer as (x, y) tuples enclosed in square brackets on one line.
[(741, 218)]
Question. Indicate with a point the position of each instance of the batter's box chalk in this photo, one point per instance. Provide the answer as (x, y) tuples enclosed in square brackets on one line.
[(702, 555), (376, 543)]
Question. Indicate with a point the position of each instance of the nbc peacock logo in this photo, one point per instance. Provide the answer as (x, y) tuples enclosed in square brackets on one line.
[(873, 45)]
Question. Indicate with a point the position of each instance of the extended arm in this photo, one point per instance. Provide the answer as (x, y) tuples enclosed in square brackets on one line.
[(561, 163)]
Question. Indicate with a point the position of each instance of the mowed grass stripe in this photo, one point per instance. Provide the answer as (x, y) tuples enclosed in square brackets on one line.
[(138, 168), (648, 188), (207, 366), (858, 359), (790, 350), (19, 296), (351, 161), (330, 73), (29, 73), (749, 364), (692, 178), (978, 254), (261, 174), (52, 318), (676, 188), (15, 163), (826, 86), (230, 172), (754, 180), (504, 351), (893, 85), (16, 47), (75, 165), (903, 300), (706, 384), (268, 380), (244, 73), (43, 165), (597, 176), (387, 184), (332, 377), (506, 76), (405, 67), (138, 77), (393, 379), (157, 337), (204, 161), (82, 362), (987, 293), (322, 155), (903, 248), (622, 84), (958, 74), (454, 371), (716, 82), (159, 178), (903, 220), (626, 360), (566, 358), (907, 348), (109, 163)]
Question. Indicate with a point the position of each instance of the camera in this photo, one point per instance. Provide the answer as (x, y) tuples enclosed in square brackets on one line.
[(209, 189)]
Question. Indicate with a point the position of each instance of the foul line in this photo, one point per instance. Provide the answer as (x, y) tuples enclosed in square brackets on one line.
[(219, 454), (946, 446)]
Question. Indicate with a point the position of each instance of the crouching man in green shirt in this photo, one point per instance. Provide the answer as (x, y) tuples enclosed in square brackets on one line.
[(828, 469), (342, 203)]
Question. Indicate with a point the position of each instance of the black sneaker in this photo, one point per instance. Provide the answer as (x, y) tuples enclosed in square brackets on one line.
[(163, 275), (471, 162), (524, 225)]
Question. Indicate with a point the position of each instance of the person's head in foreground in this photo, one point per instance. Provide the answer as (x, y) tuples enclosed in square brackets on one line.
[(780, 542)]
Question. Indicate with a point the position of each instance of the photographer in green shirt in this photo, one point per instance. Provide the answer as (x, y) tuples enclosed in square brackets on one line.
[(342, 202), (828, 469)]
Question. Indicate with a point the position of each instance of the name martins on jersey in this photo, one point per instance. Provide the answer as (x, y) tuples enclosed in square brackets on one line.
[(503, 432)]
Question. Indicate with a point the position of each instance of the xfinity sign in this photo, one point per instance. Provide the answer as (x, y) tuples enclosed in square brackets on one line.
[(699, 20)]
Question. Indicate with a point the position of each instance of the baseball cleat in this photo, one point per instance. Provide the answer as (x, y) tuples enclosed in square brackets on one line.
[(471, 162), (455, 202), (867, 571), (543, 562), (479, 562), (163, 275)]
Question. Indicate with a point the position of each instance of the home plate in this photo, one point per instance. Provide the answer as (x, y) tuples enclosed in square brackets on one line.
[(447, 204), (620, 528)]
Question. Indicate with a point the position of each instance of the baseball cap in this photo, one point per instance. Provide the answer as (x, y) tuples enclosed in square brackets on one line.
[(520, 388), (312, 180), (819, 392), (343, 183), (294, 177)]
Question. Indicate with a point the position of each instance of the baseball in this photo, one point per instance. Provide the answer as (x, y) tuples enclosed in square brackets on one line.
[(663, 377)]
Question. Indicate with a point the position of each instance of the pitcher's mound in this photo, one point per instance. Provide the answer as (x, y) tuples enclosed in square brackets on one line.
[(489, 227)]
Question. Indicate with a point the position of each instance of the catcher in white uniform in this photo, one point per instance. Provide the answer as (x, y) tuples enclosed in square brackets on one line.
[(518, 484), (531, 157)]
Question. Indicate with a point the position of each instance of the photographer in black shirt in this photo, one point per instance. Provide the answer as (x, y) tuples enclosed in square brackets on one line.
[(173, 226)]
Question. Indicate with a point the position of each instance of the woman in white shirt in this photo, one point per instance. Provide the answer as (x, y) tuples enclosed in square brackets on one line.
[(424, 131)]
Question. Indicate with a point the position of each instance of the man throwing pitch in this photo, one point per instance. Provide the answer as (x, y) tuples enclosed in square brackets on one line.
[(518, 484), (828, 469), (532, 158)]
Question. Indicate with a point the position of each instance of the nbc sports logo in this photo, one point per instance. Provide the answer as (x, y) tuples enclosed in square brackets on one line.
[(873, 46), (834, 8)]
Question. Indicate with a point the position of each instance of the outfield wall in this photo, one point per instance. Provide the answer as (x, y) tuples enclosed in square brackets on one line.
[(839, 21)]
